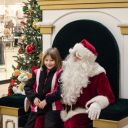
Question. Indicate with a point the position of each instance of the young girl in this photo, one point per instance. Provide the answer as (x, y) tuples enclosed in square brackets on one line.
[(43, 82)]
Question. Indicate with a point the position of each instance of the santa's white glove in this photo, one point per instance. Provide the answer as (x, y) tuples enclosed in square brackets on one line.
[(94, 111), (95, 105)]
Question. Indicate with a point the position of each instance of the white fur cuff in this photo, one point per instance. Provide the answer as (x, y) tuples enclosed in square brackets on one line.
[(101, 100)]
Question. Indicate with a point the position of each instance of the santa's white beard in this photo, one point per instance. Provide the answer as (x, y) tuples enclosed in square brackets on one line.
[(74, 78)]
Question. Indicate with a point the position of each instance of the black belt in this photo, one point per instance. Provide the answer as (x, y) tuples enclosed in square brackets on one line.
[(69, 107)]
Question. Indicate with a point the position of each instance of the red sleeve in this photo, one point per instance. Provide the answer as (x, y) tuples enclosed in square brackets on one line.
[(104, 87)]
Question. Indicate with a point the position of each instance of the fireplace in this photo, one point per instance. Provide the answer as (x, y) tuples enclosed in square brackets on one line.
[(104, 23), (100, 37)]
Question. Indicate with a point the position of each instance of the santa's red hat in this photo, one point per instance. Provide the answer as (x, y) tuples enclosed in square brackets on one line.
[(84, 50)]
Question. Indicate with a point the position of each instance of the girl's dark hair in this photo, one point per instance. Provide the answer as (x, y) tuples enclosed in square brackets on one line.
[(55, 55)]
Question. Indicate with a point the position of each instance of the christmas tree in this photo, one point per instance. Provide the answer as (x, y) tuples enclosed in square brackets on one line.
[(30, 47), (32, 44)]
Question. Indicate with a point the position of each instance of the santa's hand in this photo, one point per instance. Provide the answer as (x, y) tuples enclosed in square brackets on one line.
[(94, 111)]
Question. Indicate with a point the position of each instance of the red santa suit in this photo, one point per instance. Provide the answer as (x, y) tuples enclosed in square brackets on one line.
[(86, 89)]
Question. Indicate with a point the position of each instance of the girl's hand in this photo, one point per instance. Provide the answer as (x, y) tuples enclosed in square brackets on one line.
[(36, 101), (42, 104)]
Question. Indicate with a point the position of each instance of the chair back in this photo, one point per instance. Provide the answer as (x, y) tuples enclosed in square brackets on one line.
[(100, 37)]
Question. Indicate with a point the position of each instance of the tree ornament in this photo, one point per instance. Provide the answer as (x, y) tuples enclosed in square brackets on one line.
[(34, 25), (30, 49), (17, 72)]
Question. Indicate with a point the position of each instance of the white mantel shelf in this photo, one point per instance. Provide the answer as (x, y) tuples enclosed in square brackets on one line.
[(80, 4)]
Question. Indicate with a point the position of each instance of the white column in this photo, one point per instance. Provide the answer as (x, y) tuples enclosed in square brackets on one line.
[(46, 41), (124, 87)]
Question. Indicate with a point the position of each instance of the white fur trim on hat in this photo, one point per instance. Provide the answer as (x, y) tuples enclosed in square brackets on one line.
[(82, 52)]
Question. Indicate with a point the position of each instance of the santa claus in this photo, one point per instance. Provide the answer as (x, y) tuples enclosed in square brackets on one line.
[(85, 89)]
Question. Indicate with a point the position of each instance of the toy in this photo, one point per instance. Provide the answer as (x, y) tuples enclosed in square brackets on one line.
[(23, 77)]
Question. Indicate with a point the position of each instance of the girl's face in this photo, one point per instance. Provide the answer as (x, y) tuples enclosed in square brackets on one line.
[(49, 62)]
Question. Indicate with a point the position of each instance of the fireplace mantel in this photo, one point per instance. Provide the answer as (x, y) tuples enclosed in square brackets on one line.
[(80, 4), (124, 29), (113, 14)]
